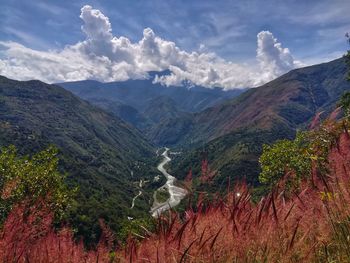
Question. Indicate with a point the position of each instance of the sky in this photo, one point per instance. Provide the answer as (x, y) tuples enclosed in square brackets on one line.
[(228, 44)]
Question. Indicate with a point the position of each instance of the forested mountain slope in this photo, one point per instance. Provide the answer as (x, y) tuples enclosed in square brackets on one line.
[(100, 153)]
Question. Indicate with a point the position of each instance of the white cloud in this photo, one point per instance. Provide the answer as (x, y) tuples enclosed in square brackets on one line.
[(274, 60), (96, 25), (105, 57)]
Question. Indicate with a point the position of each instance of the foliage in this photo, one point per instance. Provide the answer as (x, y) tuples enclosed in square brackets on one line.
[(310, 225), (345, 103), (293, 159), (235, 156), (285, 157), (32, 178), (162, 195), (28, 236), (136, 228)]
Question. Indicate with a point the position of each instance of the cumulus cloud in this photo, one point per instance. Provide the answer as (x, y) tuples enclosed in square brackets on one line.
[(97, 26), (105, 57), (274, 60)]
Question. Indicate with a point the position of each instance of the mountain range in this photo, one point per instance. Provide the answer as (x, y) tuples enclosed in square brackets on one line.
[(145, 104), (108, 133), (227, 127)]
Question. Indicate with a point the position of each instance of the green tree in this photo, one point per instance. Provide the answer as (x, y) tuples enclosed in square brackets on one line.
[(285, 156), (345, 99), (344, 103), (296, 157), (31, 179)]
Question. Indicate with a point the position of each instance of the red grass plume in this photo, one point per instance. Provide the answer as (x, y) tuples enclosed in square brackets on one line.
[(207, 174), (28, 236)]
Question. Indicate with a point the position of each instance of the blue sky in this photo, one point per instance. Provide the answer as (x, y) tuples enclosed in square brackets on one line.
[(313, 31)]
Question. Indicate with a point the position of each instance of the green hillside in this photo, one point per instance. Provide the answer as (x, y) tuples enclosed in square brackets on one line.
[(101, 154)]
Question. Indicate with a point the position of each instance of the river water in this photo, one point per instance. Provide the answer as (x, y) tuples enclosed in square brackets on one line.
[(176, 193)]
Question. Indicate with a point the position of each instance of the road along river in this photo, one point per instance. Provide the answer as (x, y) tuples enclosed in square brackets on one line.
[(136, 196), (176, 193)]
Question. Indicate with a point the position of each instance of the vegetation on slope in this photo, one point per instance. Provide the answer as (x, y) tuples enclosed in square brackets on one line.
[(304, 218), (101, 154), (310, 224), (233, 156), (347, 56), (306, 222), (231, 135), (32, 179)]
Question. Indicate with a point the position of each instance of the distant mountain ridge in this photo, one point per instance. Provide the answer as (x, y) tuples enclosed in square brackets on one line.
[(137, 93), (141, 95)]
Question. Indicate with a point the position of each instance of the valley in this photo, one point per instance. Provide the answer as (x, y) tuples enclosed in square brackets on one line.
[(108, 148), (227, 129), (174, 131), (149, 106)]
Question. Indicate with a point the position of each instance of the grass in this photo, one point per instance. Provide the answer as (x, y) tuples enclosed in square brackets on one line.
[(308, 224)]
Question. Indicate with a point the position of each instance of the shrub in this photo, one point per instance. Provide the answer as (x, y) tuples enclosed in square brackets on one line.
[(286, 157)]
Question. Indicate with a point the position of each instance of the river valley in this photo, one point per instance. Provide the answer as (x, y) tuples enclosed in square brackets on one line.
[(176, 194)]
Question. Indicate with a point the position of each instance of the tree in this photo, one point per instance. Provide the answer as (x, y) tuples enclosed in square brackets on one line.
[(32, 179), (285, 157), (344, 103), (310, 149), (345, 99)]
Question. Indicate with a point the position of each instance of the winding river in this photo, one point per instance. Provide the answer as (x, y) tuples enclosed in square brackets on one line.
[(176, 193)]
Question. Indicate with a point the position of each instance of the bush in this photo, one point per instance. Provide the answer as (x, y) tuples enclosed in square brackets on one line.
[(286, 157)]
